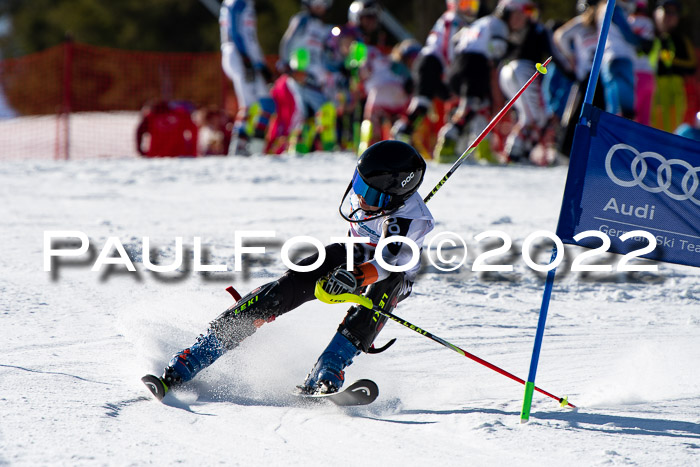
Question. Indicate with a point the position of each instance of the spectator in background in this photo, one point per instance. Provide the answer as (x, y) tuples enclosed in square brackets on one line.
[(434, 59), (576, 41), (166, 130), (363, 15), (529, 45), (307, 36), (479, 47), (643, 26), (303, 110), (556, 84), (308, 31), (244, 64), (674, 58), (215, 128), (346, 88), (389, 87), (617, 70)]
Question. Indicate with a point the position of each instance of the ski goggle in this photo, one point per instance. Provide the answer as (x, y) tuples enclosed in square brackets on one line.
[(372, 196)]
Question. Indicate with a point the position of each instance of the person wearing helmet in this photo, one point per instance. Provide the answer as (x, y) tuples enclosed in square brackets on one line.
[(529, 45), (243, 62), (435, 57), (308, 31), (478, 47), (380, 202), (363, 15), (303, 107), (389, 86)]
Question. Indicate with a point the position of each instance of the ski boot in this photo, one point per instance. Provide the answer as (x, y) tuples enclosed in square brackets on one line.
[(328, 376), (402, 131), (239, 145), (185, 365), (446, 146), (256, 145), (518, 147)]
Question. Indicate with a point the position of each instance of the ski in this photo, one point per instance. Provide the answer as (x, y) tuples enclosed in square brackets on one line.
[(361, 392), (156, 385)]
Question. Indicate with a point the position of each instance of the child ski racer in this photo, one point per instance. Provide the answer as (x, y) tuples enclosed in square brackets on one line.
[(384, 203)]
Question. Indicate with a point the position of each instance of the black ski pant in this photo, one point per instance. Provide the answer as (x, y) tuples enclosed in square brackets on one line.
[(427, 75), (294, 288), (470, 76)]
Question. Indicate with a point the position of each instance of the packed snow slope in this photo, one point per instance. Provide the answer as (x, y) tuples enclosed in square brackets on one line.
[(623, 347)]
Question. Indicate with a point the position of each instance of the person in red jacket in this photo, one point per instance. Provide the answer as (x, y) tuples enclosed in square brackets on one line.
[(166, 130)]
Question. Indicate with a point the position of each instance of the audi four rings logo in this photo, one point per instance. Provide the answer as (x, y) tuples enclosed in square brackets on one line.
[(664, 174), (407, 179)]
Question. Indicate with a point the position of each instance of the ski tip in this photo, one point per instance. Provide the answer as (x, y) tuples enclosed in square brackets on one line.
[(156, 385), (366, 386), (361, 392)]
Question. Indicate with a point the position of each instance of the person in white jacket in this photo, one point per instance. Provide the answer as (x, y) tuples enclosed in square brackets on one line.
[(244, 64), (381, 202), (433, 61), (308, 31)]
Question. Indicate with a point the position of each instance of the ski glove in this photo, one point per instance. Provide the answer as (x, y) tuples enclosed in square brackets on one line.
[(340, 281)]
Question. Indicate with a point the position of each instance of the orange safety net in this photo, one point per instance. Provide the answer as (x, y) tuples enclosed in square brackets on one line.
[(77, 101)]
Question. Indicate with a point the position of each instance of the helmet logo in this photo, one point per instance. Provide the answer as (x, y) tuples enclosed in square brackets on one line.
[(407, 179)]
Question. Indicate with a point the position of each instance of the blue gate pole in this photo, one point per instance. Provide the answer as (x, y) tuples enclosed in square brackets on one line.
[(549, 282), (598, 58), (539, 335)]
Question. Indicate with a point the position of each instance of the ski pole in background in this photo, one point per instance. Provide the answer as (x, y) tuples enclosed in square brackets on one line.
[(325, 297), (541, 70)]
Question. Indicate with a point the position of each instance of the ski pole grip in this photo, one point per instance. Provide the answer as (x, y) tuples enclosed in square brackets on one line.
[(325, 297)]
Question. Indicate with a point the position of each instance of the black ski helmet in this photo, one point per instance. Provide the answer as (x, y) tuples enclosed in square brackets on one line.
[(387, 174)]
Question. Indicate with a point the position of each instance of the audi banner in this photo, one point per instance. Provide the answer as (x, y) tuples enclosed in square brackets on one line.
[(625, 177)]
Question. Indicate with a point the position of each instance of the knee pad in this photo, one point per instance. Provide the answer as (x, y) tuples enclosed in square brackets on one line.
[(362, 325)]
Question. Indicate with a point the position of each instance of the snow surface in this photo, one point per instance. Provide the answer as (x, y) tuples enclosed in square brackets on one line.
[(624, 348)]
